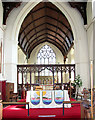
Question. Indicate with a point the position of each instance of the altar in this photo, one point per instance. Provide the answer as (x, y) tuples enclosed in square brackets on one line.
[(47, 98)]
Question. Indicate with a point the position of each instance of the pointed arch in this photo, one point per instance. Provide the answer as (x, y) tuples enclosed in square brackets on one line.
[(46, 55)]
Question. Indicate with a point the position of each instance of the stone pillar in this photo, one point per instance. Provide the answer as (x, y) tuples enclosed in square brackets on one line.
[(91, 35), (1, 44), (10, 62), (10, 57), (82, 64), (93, 43), (94, 53), (1, 53)]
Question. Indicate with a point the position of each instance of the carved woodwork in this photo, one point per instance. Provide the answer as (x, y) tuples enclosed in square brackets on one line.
[(9, 91), (35, 68)]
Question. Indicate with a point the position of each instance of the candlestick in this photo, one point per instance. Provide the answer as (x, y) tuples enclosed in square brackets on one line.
[(91, 89)]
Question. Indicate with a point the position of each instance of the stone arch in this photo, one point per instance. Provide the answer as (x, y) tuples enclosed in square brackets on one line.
[(79, 32)]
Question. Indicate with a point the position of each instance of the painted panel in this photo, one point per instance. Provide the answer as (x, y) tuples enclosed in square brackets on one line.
[(59, 96), (35, 97), (47, 97)]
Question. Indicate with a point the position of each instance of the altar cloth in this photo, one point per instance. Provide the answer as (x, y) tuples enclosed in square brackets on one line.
[(47, 98)]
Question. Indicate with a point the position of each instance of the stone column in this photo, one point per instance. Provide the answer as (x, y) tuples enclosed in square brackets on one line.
[(82, 65), (1, 44), (94, 52), (10, 60), (1, 53), (91, 36)]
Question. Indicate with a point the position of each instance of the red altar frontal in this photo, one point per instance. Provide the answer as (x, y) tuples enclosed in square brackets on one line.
[(47, 98)]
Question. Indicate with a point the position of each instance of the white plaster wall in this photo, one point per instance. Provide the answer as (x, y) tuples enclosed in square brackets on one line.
[(70, 57), (1, 40), (90, 34), (14, 22), (90, 41), (33, 56), (93, 52), (21, 57), (93, 8), (70, 60), (93, 42)]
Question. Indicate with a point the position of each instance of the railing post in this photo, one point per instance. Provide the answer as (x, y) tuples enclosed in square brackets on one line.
[(61, 77), (63, 108), (53, 78), (17, 78), (28, 109), (30, 79)]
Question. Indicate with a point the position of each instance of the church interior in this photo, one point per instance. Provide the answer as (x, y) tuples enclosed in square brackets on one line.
[(47, 59)]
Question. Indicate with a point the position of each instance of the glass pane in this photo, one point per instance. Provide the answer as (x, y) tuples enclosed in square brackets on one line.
[(46, 56)]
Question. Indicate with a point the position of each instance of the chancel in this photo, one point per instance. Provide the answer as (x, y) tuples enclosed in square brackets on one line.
[(47, 60)]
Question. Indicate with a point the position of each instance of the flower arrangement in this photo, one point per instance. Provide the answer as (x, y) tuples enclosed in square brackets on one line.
[(77, 81)]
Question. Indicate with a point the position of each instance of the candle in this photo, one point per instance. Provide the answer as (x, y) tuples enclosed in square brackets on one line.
[(92, 89)]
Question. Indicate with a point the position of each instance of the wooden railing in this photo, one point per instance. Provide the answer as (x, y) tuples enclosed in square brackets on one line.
[(74, 102)]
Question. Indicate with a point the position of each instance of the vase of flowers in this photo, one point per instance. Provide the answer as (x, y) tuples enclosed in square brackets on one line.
[(77, 83)]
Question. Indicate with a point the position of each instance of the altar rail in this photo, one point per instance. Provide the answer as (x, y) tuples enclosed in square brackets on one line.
[(36, 68), (74, 102), (16, 103)]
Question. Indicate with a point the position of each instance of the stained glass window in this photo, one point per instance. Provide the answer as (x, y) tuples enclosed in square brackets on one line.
[(46, 56)]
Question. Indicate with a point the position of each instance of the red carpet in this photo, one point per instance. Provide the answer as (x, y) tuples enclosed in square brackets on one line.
[(15, 112)]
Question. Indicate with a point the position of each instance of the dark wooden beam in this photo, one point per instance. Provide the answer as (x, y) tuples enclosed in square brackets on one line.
[(34, 26), (33, 11), (64, 40), (65, 48), (45, 17), (55, 27), (81, 7), (50, 18), (7, 8), (31, 31), (21, 42), (42, 40)]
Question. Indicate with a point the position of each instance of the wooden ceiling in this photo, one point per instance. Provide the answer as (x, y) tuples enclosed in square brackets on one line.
[(45, 23)]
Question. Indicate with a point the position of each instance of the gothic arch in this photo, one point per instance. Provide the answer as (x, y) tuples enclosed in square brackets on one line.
[(79, 32)]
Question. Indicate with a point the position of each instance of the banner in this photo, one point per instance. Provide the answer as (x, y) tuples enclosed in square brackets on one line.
[(35, 97), (46, 96), (59, 96)]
